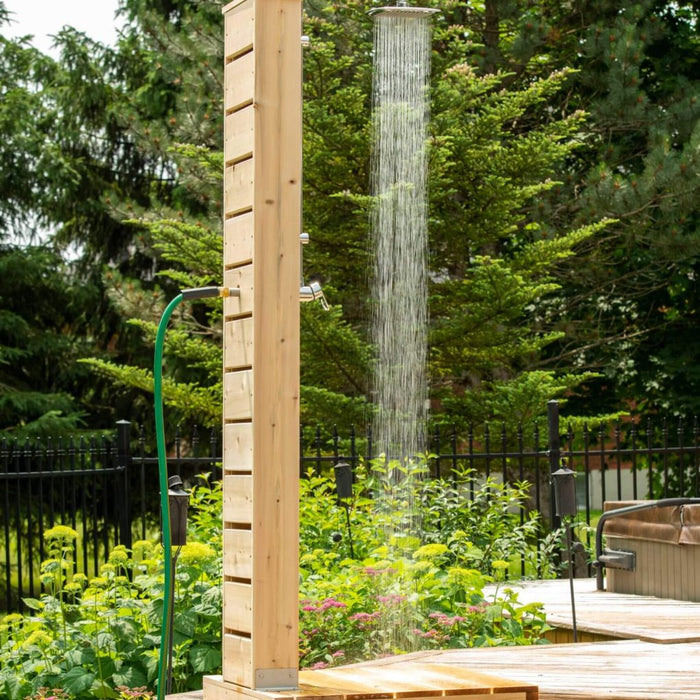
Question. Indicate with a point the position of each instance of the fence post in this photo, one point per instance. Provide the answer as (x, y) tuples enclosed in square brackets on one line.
[(122, 497), (554, 451)]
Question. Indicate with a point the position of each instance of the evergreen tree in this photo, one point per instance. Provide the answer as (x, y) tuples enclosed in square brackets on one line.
[(563, 228), (492, 262), (628, 304), (45, 327)]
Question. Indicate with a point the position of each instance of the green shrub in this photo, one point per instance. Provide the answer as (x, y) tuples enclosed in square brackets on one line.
[(417, 581), (99, 638), (424, 552)]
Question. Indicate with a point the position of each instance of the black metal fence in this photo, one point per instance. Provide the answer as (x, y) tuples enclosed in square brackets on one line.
[(107, 489), (81, 484)]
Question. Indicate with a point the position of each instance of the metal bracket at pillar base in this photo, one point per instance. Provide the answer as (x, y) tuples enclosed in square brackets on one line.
[(276, 679)]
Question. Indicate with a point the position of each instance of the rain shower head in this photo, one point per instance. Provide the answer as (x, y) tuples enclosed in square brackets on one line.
[(401, 9)]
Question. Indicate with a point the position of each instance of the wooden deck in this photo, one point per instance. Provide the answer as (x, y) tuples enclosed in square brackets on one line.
[(623, 670), (614, 615), (656, 656), (411, 679)]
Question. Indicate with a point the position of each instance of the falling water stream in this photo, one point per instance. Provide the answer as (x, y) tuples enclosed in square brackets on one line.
[(399, 231), (399, 280)]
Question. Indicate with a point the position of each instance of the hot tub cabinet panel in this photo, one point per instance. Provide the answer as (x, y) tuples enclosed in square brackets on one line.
[(666, 545)]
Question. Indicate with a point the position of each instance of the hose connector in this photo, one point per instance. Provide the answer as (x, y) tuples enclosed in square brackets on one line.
[(210, 292)]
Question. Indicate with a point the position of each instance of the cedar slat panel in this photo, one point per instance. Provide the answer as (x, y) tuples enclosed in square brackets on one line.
[(238, 395), (238, 498), (241, 304), (238, 606), (238, 553), (238, 343), (238, 240), (238, 27), (237, 650), (238, 447), (240, 134), (239, 82), (238, 187)]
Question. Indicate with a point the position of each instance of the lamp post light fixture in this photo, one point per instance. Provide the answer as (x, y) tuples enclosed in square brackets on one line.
[(565, 504), (343, 488), (565, 491), (179, 500)]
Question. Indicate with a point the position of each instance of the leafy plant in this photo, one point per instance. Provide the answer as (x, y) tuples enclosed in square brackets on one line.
[(419, 577), (99, 637), (420, 588)]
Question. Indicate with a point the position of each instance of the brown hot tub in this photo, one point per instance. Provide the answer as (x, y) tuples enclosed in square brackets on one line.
[(654, 551)]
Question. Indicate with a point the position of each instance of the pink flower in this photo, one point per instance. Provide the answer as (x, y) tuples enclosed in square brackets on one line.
[(391, 599), (319, 665), (364, 617), (378, 572)]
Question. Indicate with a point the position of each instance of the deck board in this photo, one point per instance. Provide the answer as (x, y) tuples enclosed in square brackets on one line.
[(656, 656), (622, 670), (410, 680), (619, 615)]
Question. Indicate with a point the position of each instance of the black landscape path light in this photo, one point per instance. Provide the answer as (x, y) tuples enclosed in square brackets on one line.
[(343, 488), (179, 500), (565, 504)]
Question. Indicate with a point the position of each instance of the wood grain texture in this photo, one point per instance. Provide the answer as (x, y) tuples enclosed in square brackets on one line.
[(238, 344), (238, 607), (238, 240), (239, 669), (238, 498), (238, 28), (239, 82), (238, 396), (238, 553), (262, 213), (416, 680), (618, 615), (239, 185), (240, 135), (241, 304), (238, 447)]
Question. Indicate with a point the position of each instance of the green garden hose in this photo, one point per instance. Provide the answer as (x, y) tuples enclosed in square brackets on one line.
[(168, 578)]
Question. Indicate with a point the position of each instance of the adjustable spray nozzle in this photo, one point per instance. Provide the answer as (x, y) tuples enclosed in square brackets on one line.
[(311, 291)]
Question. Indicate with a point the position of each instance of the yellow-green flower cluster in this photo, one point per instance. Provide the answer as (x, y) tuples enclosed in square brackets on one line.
[(430, 551), (10, 624), (119, 556), (61, 532), (197, 553), (142, 549), (38, 638)]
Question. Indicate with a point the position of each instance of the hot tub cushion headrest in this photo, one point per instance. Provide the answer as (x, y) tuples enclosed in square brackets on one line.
[(654, 525), (690, 525)]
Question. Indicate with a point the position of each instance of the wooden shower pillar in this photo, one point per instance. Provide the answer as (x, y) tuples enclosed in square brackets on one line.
[(262, 213)]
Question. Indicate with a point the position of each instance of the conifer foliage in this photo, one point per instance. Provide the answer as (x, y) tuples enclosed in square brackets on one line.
[(563, 200)]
